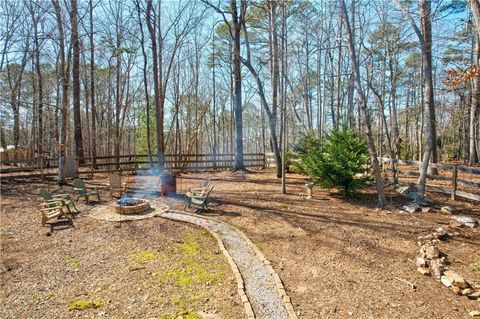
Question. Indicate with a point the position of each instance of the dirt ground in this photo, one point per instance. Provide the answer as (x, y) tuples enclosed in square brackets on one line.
[(152, 268), (338, 258)]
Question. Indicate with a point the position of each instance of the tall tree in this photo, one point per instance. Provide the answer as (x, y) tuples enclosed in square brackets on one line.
[(238, 19), (272, 109), (34, 12), (235, 27), (425, 39), (92, 88), (152, 22), (76, 82), (475, 104), (382, 202), (63, 74), (145, 81)]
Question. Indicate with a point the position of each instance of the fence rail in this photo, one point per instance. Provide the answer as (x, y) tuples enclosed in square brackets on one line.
[(396, 166), (129, 162)]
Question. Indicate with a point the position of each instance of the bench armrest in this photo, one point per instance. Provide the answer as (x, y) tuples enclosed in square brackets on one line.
[(62, 196)]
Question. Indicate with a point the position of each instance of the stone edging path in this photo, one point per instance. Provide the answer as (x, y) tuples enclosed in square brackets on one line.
[(259, 286)]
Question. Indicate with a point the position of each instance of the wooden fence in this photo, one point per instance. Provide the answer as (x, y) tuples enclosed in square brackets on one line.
[(451, 179), (129, 162)]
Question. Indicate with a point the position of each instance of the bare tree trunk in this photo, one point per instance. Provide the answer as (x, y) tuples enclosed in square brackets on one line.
[(339, 72), (430, 149), (145, 83), (93, 147), (237, 21), (76, 83), (118, 95), (14, 85), (275, 72), (271, 111), (36, 55), (151, 22), (382, 202), (425, 38), (64, 80), (475, 106), (214, 102)]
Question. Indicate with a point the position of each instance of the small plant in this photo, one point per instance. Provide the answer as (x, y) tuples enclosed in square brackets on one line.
[(184, 314), (74, 262), (190, 246), (335, 160), (476, 266), (84, 304), (143, 256), (193, 270)]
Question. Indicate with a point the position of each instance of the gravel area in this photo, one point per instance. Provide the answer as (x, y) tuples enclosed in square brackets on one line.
[(260, 286), (105, 212)]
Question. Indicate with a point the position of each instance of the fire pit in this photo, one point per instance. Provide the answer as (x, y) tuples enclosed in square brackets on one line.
[(131, 205)]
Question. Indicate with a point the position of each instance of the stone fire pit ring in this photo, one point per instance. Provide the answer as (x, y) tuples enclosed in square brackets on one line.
[(131, 205), (107, 213)]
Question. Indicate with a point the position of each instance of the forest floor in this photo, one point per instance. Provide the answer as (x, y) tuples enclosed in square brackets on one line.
[(338, 257)]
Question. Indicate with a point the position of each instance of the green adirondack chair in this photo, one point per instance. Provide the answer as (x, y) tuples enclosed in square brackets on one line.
[(198, 199), (82, 191), (65, 199)]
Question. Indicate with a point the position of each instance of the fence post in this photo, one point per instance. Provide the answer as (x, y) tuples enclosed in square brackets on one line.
[(41, 168), (454, 182)]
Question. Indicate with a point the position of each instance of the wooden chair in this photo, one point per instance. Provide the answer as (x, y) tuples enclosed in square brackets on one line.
[(205, 185), (65, 199), (199, 199), (53, 209), (81, 190), (116, 186)]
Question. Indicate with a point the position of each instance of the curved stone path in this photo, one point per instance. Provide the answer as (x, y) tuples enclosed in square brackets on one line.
[(260, 288)]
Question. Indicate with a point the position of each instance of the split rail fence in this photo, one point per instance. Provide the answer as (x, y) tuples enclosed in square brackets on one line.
[(131, 162), (451, 179)]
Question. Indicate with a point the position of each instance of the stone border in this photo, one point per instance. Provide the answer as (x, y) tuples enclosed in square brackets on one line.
[(240, 283), (158, 208)]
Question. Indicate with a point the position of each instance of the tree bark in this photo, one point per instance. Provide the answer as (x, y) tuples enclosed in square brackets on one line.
[(64, 80), (92, 91), (425, 39), (475, 105), (275, 72), (145, 84), (382, 202), (76, 83), (237, 21), (36, 55), (151, 21)]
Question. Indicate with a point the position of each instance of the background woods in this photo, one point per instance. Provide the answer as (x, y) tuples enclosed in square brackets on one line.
[(211, 77)]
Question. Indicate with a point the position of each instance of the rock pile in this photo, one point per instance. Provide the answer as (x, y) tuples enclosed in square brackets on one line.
[(466, 221), (431, 261), (458, 285)]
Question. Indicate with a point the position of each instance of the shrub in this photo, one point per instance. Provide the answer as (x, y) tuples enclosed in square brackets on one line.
[(335, 160)]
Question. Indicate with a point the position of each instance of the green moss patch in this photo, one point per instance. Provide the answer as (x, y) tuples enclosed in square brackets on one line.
[(197, 266), (74, 263), (185, 314), (476, 266), (143, 256), (84, 304)]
